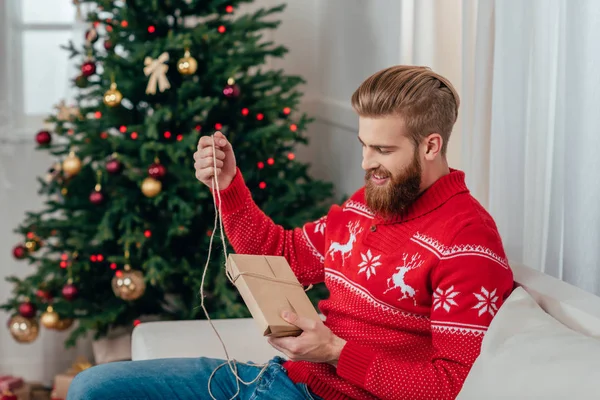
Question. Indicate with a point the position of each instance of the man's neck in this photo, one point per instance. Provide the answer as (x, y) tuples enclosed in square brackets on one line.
[(432, 174)]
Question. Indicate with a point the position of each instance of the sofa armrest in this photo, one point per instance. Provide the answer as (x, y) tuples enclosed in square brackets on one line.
[(172, 339)]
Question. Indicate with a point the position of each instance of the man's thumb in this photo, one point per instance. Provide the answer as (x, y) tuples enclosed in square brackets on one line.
[(295, 319)]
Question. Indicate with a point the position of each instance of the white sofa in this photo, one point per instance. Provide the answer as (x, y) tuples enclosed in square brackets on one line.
[(546, 323)]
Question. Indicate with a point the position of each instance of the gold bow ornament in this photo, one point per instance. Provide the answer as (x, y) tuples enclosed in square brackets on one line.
[(156, 69)]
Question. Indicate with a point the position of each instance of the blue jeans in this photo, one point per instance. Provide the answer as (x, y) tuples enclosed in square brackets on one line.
[(186, 379)]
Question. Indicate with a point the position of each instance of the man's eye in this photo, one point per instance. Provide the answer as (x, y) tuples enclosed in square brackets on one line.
[(381, 151)]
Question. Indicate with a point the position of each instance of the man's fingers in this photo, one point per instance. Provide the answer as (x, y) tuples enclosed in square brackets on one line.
[(205, 141), (206, 174), (207, 152), (301, 322), (222, 142), (208, 162)]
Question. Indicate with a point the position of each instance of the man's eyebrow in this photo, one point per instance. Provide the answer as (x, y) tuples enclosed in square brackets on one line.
[(380, 146)]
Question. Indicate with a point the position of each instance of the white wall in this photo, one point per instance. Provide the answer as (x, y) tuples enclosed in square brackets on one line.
[(336, 44)]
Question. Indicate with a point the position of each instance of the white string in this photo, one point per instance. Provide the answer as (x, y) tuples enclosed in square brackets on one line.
[(218, 219)]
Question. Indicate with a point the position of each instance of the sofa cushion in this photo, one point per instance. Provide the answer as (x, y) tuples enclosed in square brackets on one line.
[(528, 354)]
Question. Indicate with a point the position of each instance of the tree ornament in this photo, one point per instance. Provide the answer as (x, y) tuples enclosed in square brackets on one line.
[(43, 138), (114, 166), (81, 81), (72, 164), (113, 97), (32, 245), (88, 68), (157, 170), (128, 284), (27, 309), (108, 45), (53, 172), (69, 291), (64, 324), (156, 70), (231, 90), (43, 295), (66, 113), (23, 330), (187, 65), (91, 35), (19, 252), (50, 318), (97, 197), (151, 187)]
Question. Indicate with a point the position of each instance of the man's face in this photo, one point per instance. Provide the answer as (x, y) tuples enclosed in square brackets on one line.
[(392, 165)]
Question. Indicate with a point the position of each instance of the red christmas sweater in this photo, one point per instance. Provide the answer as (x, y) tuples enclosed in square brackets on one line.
[(412, 295)]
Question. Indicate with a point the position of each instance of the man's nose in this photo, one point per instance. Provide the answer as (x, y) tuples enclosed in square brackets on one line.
[(369, 163)]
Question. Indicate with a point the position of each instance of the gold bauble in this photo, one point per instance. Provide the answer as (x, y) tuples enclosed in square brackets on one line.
[(64, 324), (187, 65), (50, 318), (72, 164), (128, 284), (151, 187), (23, 330), (113, 97), (32, 245)]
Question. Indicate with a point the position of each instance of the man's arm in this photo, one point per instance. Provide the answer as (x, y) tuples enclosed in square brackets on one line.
[(468, 290), (250, 231)]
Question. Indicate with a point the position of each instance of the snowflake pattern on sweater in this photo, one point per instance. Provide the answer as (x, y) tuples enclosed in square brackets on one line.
[(412, 295)]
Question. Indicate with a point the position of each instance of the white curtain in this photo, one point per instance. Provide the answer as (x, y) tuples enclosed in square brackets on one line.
[(531, 86)]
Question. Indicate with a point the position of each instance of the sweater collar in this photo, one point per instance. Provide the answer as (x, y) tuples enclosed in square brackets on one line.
[(437, 194)]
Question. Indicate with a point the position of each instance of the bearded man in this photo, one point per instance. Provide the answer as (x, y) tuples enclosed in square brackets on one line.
[(415, 268)]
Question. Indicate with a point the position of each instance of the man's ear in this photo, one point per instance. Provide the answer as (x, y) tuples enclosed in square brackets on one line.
[(433, 146)]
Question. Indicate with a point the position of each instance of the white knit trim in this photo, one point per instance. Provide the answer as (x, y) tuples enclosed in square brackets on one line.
[(457, 330), (358, 208), (312, 247), (460, 325), (444, 252), (365, 294)]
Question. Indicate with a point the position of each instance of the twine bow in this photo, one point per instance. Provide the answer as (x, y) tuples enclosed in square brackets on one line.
[(80, 364), (157, 70)]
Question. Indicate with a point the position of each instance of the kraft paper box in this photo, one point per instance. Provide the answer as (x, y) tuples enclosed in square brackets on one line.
[(63, 381), (255, 278)]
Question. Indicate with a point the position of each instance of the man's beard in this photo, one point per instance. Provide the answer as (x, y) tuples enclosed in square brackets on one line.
[(398, 193)]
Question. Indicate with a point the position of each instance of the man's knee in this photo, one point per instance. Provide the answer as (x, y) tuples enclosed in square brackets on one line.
[(94, 383)]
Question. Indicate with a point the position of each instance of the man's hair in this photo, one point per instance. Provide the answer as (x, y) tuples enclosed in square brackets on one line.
[(426, 101)]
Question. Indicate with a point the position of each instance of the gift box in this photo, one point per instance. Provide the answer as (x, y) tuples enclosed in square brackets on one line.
[(63, 381), (21, 392), (9, 383), (268, 286)]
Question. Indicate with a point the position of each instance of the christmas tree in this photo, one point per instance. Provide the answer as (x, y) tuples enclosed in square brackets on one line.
[(125, 226)]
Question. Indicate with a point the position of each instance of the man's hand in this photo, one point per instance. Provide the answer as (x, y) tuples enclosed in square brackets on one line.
[(316, 343), (204, 163)]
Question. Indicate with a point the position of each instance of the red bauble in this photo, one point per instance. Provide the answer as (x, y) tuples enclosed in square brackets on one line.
[(231, 91), (157, 171), (43, 295), (88, 68), (43, 137), (69, 291), (113, 166), (108, 45), (8, 396), (96, 197), (19, 251), (27, 310)]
